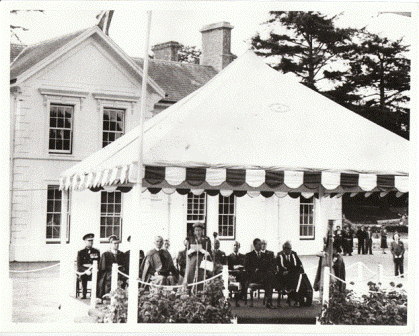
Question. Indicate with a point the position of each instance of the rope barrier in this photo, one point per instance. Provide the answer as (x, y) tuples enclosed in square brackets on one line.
[(123, 274), (81, 273), (353, 265), (180, 286), (368, 269), (396, 276), (338, 278), (36, 270)]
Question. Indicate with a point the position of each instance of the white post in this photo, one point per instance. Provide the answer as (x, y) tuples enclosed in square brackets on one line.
[(326, 285), (132, 317), (225, 280), (65, 267), (360, 272), (94, 285), (114, 279), (380, 273)]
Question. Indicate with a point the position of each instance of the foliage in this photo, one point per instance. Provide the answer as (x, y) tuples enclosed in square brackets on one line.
[(312, 42), (163, 306), (378, 307), (15, 29), (189, 54), (377, 80)]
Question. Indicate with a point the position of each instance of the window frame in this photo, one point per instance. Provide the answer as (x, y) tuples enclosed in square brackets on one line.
[(306, 202), (190, 222), (110, 215), (124, 114), (232, 237), (61, 151), (57, 240)]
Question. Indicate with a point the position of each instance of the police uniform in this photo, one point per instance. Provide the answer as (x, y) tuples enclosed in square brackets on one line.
[(85, 258)]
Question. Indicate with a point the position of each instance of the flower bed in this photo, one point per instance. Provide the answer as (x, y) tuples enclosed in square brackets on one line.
[(163, 306), (377, 307)]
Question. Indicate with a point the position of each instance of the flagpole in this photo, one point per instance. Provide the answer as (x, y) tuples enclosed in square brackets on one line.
[(135, 232)]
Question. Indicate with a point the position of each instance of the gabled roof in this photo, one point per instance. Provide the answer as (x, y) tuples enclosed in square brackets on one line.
[(178, 79), (15, 50), (252, 124), (35, 53), (34, 57)]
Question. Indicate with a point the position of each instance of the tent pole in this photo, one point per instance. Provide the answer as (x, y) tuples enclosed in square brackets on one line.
[(134, 266), (64, 265)]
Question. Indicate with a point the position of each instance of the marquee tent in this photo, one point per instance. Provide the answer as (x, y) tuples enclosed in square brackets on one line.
[(252, 130)]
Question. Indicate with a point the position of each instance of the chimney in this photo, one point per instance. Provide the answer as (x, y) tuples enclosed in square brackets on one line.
[(167, 51), (216, 45)]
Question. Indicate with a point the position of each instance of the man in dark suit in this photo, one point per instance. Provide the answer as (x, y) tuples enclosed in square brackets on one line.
[(368, 241), (85, 258), (127, 258), (361, 235), (289, 267), (181, 260), (270, 254), (235, 263), (219, 258), (259, 270)]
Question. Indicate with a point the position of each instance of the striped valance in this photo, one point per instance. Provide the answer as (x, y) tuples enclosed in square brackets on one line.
[(240, 181)]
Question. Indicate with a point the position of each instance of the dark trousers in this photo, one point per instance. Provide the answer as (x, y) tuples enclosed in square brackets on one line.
[(241, 277), (368, 246), (398, 266), (347, 248), (84, 279), (361, 246), (267, 279)]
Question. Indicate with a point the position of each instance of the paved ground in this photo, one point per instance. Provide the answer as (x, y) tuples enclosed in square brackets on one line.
[(36, 295)]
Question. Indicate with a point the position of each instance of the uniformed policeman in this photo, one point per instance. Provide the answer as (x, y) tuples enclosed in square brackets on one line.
[(85, 258)]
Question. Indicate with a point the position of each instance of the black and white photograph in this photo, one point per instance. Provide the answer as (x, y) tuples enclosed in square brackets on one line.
[(250, 166)]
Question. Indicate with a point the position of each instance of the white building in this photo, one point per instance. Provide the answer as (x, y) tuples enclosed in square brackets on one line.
[(69, 97)]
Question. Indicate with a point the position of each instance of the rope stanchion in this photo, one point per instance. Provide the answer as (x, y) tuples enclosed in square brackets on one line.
[(37, 270)]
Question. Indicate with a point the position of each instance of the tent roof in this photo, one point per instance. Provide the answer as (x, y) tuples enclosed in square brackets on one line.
[(249, 117)]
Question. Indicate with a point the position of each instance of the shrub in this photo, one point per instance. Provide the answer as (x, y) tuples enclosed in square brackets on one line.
[(378, 307), (163, 306)]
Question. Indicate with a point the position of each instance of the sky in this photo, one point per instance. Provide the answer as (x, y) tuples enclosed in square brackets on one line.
[(181, 21)]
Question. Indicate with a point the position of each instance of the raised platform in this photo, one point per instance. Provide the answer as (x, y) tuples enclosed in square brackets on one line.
[(259, 314)]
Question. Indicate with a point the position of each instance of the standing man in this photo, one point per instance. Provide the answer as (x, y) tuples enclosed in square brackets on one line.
[(105, 266), (397, 250), (259, 270), (181, 260), (158, 266), (85, 258), (361, 235), (368, 241), (338, 239), (219, 258), (347, 238)]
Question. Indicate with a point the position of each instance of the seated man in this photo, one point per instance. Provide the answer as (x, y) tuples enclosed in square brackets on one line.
[(127, 258), (181, 261), (158, 267), (219, 258), (105, 266), (289, 268), (85, 258), (235, 263), (259, 270)]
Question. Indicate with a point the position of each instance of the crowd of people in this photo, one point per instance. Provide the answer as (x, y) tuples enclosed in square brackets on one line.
[(199, 260)]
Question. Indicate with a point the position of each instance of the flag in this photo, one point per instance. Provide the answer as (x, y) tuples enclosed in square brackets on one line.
[(105, 18)]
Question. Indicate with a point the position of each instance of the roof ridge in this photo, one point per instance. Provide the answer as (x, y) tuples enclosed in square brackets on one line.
[(58, 37), (173, 62)]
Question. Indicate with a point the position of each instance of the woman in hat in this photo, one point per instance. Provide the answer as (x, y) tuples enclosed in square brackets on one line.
[(199, 250), (383, 234), (105, 266)]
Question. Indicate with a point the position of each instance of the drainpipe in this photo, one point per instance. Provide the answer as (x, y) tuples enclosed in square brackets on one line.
[(169, 206)]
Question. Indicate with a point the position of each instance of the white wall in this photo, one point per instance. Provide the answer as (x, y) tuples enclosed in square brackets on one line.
[(87, 68)]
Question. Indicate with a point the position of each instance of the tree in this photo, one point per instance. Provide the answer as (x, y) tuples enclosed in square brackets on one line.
[(377, 81), (189, 54), (311, 43), (16, 29)]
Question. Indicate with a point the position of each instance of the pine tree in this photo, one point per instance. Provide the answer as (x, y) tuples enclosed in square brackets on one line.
[(311, 43), (377, 81)]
